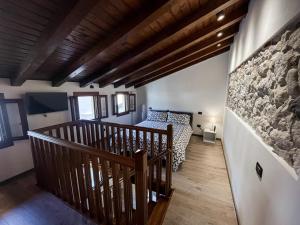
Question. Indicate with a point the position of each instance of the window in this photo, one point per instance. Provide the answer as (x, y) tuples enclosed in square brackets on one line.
[(120, 103), (88, 105), (132, 102), (13, 121)]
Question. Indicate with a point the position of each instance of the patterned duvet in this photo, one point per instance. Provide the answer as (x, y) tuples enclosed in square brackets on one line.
[(181, 137)]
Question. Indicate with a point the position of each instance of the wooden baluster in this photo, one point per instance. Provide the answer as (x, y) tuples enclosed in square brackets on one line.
[(107, 128), (158, 167), (137, 139), (58, 134), (88, 133), (141, 187), (61, 172), (169, 160), (151, 167), (106, 191), (98, 198), (119, 143), (113, 139), (127, 195), (66, 136), (102, 139), (45, 172), (81, 182), (75, 187), (116, 192), (50, 167), (78, 133), (84, 134), (72, 133), (55, 168), (93, 135), (124, 142), (88, 183), (66, 160), (131, 142), (97, 138), (36, 160)]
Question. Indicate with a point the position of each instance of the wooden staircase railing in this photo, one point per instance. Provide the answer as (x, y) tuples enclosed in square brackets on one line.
[(109, 172)]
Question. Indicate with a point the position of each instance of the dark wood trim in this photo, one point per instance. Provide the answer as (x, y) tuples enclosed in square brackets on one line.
[(151, 79), (55, 34), (134, 102), (106, 106), (136, 21), (207, 31), (23, 117), (92, 93)]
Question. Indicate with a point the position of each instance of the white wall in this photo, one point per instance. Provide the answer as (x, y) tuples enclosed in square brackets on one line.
[(264, 19), (276, 199), (17, 159), (199, 88)]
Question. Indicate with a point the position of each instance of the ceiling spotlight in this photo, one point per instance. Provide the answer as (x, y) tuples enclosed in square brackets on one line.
[(220, 16), (219, 45), (220, 34)]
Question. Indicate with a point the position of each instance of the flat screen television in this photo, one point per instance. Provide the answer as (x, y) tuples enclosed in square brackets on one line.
[(46, 102)]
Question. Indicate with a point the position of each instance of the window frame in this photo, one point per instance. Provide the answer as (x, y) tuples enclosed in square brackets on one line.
[(23, 118), (97, 104), (115, 103), (134, 102)]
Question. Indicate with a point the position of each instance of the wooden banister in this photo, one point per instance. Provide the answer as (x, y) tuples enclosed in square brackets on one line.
[(141, 187), (93, 166), (84, 149)]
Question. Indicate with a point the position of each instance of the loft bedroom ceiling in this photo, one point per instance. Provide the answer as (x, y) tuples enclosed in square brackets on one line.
[(119, 42)]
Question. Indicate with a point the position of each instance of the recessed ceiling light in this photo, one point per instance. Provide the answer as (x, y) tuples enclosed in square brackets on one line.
[(220, 16), (220, 34), (219, 45)]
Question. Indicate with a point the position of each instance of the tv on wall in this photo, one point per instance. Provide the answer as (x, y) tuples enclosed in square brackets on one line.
[(46, 102)]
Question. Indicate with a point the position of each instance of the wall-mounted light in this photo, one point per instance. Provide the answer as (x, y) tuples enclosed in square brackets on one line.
[(220, 34), (220, 16), (219, 45)]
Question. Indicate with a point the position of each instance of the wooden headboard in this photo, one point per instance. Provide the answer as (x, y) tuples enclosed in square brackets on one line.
[(178, 112)]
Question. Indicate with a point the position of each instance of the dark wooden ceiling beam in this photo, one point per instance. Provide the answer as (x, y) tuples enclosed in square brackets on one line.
[(185, 60), (149, 80), (207, 31), (164, 61), (53, 36), (143, 17), (112, 71)]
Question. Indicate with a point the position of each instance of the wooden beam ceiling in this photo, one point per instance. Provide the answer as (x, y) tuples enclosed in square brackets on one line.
[(113, 71), (185, 60), (120, 42), (54, 34), (202, 58), (165, 60), (142, 18)]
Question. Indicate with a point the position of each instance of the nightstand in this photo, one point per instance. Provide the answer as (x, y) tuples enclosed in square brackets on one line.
[(209, 136)]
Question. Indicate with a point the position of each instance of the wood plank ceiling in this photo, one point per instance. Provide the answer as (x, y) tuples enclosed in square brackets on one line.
[(120, 42)]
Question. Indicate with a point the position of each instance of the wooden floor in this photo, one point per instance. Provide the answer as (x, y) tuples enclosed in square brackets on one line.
[(202, 195), (23, 203), (202, 192)]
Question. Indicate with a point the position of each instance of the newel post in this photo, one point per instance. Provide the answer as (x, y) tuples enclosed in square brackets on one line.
[(141, 187), (169, 158)]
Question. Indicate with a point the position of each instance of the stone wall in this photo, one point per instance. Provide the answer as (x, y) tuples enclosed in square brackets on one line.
[(265, 92)]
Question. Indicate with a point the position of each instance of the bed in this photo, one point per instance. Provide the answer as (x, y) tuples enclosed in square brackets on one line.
[(182, 131)]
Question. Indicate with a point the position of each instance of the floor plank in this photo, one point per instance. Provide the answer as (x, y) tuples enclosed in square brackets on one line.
[(202, 193), (23, 203)]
